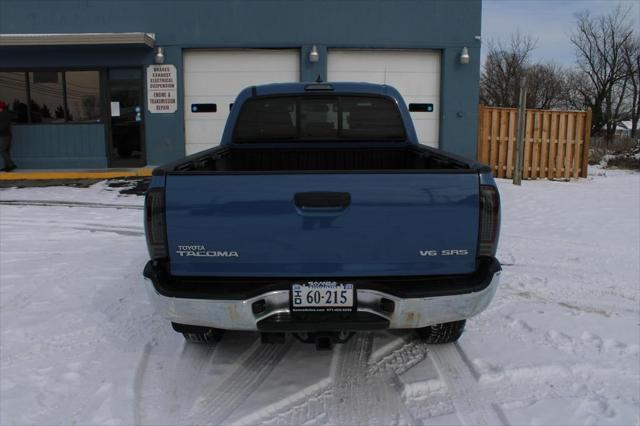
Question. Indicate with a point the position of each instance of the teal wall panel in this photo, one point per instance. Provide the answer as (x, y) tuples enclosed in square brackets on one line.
[(64, 146), (459, 102)]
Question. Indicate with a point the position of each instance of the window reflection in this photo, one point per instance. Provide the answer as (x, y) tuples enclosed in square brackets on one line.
[(52, 96), (83, 95), (13, 91), (47, 99)]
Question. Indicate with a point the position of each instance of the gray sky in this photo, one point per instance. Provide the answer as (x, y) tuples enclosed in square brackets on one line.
[(549, 22)]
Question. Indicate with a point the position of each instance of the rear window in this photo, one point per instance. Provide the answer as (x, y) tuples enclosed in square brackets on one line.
[(312, 118)]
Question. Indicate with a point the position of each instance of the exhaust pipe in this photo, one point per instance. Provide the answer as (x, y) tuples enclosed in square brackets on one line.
[(272, 338)]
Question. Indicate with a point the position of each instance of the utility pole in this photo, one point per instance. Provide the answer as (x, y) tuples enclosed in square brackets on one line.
[(522, 106)]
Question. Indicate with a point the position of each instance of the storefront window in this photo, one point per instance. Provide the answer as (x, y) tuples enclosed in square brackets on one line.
[(13, 91), (83, 95), (47, 97), (52, 96)]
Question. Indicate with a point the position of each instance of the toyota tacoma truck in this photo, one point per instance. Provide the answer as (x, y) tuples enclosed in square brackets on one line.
[(321, 215)]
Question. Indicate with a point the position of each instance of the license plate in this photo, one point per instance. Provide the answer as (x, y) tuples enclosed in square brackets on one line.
[(322, 296)]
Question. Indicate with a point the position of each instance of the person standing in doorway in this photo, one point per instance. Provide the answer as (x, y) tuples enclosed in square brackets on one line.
[(5, 137)]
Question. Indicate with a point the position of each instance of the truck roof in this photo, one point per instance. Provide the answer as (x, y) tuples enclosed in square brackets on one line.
[(333, 87)]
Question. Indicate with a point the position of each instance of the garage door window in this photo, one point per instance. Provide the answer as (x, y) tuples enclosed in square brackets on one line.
[(292, 118)]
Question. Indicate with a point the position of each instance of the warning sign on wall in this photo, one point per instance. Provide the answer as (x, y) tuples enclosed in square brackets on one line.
[(161, 89)]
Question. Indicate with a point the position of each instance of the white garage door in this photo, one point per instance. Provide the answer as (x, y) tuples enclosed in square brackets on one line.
[(216, 77), (416, 74)]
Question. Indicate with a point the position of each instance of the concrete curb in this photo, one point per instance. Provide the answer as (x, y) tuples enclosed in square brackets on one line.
[(75, 174)]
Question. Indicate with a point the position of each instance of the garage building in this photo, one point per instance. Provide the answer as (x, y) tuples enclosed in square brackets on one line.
[(97, 84)]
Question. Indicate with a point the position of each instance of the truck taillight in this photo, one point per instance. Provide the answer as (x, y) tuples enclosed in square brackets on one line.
[(489, 220), (154, 223)]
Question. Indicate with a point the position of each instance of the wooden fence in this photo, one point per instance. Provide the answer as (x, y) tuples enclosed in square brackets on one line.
[(556, 143)]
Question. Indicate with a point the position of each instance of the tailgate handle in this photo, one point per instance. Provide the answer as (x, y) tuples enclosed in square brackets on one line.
[(322, 200)]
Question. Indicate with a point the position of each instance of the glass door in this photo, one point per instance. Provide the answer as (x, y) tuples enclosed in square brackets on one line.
[(126, 101)]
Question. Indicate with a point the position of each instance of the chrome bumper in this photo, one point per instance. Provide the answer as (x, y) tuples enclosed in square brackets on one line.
[(238, 314)]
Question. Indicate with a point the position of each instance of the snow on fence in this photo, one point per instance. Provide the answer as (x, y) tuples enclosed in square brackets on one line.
[(556, 143)]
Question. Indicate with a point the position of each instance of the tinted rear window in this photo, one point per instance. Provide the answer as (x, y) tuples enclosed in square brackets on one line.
[(312, 118)]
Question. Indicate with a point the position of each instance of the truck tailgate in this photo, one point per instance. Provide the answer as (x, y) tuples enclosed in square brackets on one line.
[(322, 225)]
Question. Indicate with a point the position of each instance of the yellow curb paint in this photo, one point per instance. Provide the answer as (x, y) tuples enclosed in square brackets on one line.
[(75, 174)]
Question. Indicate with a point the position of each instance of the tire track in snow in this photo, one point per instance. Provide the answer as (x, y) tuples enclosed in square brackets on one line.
[(312, 405), (401, 359), (361, 392), (124, 233), (330, 400), (224, 399), (455, 370), (138, 382), (352, 365), (54, 203), (150, 404), (512, 386), (305, 407), (348, 379), (80, 221), (80, 226)]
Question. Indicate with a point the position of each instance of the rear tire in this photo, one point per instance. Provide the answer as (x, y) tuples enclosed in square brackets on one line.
[(197, 334), (447, 332)]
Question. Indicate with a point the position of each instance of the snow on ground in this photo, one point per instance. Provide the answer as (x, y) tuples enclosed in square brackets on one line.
[(100, 193), (560, 344)]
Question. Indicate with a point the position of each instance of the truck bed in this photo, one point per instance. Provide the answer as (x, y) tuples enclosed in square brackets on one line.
[(365, 211), (253, 159)]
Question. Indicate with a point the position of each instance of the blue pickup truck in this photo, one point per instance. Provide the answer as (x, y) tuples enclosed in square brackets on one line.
[(320, 215)]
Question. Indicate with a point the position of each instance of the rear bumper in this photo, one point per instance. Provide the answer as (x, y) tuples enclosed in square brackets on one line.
[(412, 306)]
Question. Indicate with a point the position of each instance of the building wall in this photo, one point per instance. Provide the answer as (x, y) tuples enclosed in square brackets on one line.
[(402, 24), (68, 145), (59, 146)]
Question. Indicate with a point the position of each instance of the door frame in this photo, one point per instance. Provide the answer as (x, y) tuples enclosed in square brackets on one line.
[(108, 84)]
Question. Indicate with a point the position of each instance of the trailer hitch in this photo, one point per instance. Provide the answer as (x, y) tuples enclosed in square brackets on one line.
[(324, 340)]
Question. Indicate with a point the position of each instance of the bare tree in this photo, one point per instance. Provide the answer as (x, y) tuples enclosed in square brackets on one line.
[(600, 42), (504, 68), (577, 90), (546, 86), (631, 57)]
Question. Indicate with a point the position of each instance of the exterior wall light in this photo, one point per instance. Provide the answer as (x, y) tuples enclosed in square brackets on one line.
[(159, 58), (314, 56), (464, 56)]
